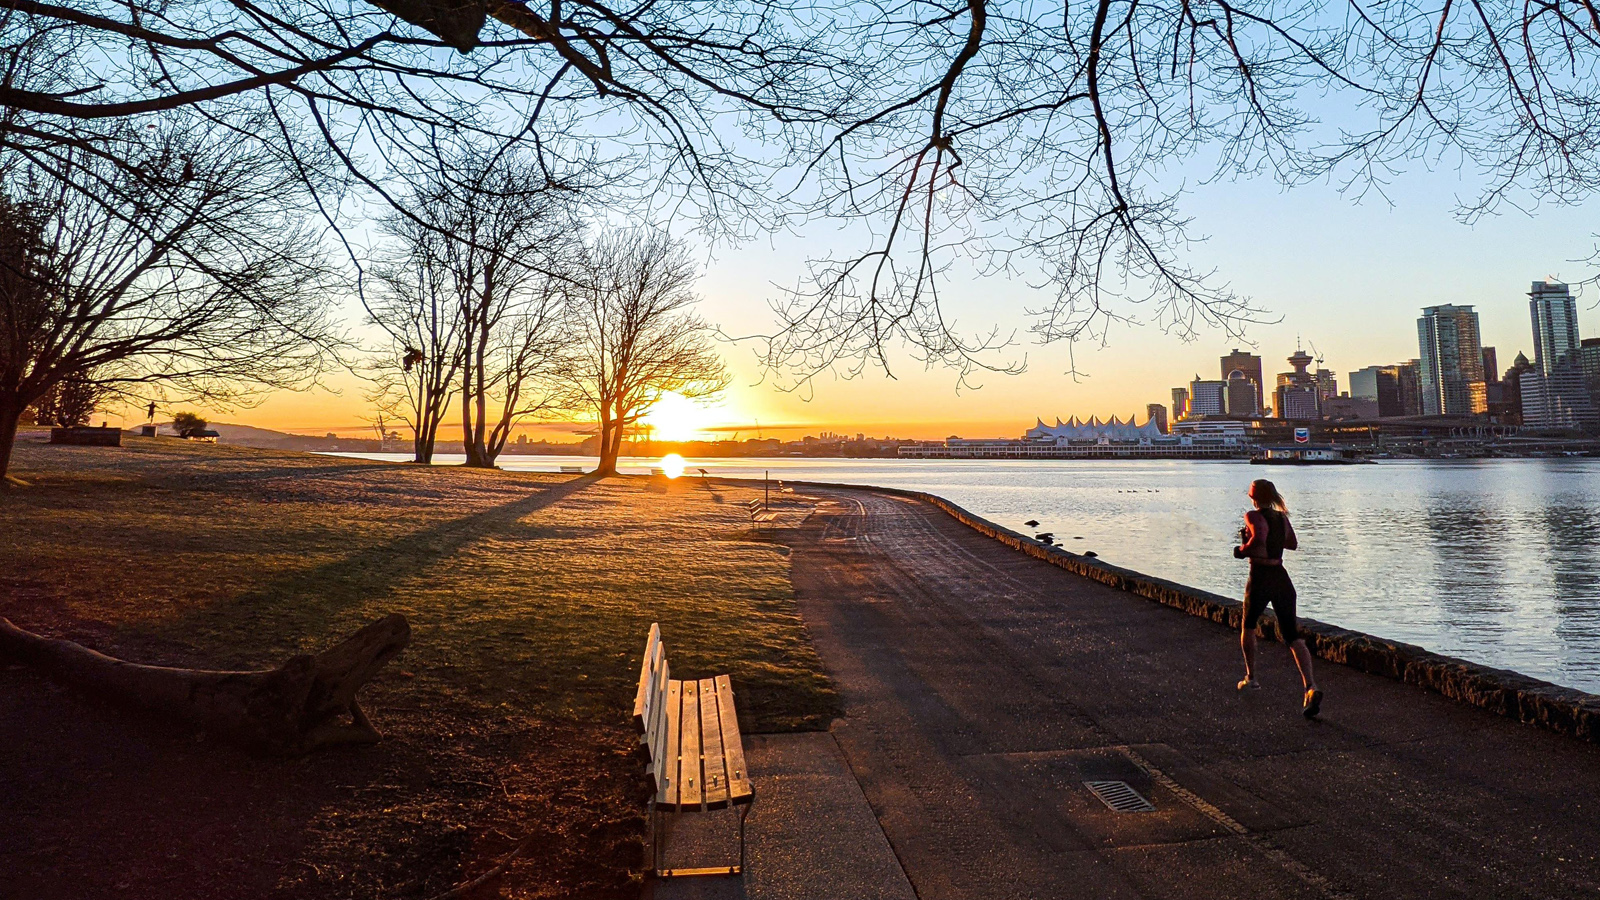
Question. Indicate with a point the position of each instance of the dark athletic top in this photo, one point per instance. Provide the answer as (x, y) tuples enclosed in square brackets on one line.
[(1276, 532)]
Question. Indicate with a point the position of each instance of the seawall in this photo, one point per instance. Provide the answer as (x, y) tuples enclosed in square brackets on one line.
[(1501, 691)]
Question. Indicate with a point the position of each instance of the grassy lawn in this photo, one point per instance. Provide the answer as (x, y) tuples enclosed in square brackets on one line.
[(529, 597)]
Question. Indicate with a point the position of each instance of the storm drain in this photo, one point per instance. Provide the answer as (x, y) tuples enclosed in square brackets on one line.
[(1119, 796)]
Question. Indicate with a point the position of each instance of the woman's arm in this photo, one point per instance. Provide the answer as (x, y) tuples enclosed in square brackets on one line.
[(1290, 542), (1257, 544)]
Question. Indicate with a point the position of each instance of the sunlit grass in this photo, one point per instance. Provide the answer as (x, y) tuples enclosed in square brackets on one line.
[(529, 595)]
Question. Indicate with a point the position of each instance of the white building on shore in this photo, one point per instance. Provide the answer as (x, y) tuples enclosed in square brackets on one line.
[(1093, 439)]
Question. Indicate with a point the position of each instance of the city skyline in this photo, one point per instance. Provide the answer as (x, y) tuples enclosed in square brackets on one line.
[(1111, 383)]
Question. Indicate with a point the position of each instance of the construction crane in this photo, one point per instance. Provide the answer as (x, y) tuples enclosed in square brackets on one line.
[(1315, 355)]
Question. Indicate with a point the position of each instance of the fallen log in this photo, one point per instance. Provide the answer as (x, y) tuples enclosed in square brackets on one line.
[(293, 709)]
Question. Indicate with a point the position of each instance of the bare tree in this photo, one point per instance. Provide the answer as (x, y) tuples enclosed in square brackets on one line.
[(509, 232), (633, 337), (72, 400), (473, 296), (1000, 135), (522, 362), (194, 278), (414, 375)]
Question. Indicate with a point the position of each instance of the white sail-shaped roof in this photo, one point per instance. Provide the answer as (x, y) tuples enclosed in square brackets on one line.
[(1075, 429)]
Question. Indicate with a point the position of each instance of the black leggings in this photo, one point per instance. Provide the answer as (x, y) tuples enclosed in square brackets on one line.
[(1270, 584)]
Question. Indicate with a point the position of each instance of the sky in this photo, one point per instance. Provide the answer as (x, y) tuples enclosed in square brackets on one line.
[(1347, 278)]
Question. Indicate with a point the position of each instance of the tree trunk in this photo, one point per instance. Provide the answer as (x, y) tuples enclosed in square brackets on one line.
[(292, 709), (10, 416), (608, 459), (619, 430), (423, 435), (467, 445)]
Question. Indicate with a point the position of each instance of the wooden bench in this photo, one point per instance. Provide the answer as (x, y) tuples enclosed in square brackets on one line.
[(759, 511), (572, 470), (696, 755)]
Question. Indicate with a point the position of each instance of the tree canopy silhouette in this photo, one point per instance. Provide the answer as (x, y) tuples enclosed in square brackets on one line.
[(1002, 134), (187, 272)]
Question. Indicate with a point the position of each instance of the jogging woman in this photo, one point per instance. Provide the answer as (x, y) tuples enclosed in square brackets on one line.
[(1267, 533)]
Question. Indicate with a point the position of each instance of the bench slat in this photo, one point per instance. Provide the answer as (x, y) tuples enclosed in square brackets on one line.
[(732, 743), (711, 738), (647, 671), (656, 695), (690, 783), (656, 738), (668, 792)]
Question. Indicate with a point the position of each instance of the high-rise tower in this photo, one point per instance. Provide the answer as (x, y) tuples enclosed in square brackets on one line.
[(1452, 362), (1249, 365), (1555, 324), (1555, 393)]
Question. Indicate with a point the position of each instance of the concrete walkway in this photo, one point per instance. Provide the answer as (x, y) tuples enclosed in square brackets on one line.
[(983, 687), (811, 834)]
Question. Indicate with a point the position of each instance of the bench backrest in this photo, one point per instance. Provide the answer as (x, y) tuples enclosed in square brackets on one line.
[(648, 701), (650, 704)]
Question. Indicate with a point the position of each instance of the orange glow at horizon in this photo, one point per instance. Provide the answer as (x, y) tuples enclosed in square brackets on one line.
[(917, 405)]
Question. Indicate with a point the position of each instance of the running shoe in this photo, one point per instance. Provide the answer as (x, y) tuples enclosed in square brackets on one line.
[(1313, 703), (1248, 683)]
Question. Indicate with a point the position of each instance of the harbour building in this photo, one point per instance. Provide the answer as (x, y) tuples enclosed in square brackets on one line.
[(1409, 376), (1589, 361), (1451, 362), (1243, 396), (1554, 312), (1327, 384), (1381, 385), (1095, 439)]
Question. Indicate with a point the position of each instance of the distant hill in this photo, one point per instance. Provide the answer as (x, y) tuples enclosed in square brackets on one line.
[(243, 435), (249, 435)]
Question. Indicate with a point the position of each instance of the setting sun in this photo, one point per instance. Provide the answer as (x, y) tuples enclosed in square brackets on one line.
[(678, 418), (672, 465)]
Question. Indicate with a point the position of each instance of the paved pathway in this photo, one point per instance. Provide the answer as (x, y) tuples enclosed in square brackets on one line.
[(811, 833), (983, 687)]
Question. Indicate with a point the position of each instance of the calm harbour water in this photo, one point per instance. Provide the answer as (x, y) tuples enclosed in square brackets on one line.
[(1496, 561)]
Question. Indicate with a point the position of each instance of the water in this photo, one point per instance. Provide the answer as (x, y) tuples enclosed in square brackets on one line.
[(1496, 561)]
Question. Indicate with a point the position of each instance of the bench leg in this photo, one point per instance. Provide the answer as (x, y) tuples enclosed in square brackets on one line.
[(655, 839), (742, 814)]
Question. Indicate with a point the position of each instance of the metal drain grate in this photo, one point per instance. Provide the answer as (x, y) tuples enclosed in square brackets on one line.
[(1119, 796)]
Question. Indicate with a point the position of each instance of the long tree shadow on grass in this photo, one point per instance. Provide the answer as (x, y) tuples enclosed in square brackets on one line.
[(308, 609), (221, 473)]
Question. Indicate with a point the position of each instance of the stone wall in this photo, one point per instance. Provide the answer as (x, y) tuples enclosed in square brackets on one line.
[(1511, 694), (86, 436)]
